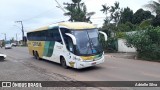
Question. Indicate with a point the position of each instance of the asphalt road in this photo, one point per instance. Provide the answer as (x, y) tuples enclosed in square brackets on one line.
[(113, 69)]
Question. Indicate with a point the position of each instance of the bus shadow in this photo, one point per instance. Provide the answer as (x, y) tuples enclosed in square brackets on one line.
[(2, 60), (47, 61), (87, 69)]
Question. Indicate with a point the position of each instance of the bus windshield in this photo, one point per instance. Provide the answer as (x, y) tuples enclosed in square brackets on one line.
[(87, 42)]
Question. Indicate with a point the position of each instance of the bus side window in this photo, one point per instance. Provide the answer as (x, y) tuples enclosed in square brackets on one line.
[(54, 35), (67, 39), (69, 44)]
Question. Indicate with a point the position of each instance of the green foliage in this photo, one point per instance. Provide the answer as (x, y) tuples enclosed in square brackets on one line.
[(77, 11), (145, 24), (3, 43), (120, 35), (12, 40), (146, 42), (123, 28), (109, 28), (111, 45), (141, 15), (156, 21), (154, 6), (128, 26), (126, 21), (126, 15), (114, 13)]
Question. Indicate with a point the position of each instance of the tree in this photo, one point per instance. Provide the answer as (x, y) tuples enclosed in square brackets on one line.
[(109, 29), (145, 24), (77, 11), (126, 15), (154, 6), (114, 12), (156, 21), (147, 43), (126, 27), (141, 15), (12, 40)]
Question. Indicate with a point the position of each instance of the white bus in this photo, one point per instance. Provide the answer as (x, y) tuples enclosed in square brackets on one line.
[(72, 44)]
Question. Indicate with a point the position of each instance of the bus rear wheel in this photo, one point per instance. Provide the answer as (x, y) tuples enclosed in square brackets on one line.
[(63, 63)]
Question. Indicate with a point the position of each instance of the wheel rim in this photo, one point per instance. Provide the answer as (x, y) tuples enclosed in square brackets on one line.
[(63, 63), (37, 56)]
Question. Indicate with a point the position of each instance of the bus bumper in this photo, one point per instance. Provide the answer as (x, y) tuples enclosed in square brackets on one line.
[(84, 64)]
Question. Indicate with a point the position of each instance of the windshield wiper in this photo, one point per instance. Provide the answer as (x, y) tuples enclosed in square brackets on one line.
[(92, 45), (90, 42)]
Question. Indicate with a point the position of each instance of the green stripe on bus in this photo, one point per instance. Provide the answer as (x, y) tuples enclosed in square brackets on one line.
[(48, 48)]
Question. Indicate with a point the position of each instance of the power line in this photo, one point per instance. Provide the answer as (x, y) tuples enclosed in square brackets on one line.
[(59, 6), (37, 15)]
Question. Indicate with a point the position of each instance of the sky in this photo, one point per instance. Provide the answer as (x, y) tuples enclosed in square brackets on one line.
[(37, 13)]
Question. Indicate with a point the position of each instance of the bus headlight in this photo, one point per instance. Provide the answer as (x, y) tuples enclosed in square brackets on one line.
[(78, 58)]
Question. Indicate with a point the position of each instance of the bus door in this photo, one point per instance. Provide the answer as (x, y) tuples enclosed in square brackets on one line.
[(69, 47)]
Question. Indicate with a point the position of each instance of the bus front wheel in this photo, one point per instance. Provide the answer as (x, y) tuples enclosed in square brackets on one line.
[(1, 58), (63, 62)]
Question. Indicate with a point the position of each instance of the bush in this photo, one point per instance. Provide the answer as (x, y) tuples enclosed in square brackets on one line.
[(147, 43), (111, 45), (126, 27), (146, 23), (120, 34), (156, 21)]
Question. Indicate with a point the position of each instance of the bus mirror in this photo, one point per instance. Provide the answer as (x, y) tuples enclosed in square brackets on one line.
[(105, 35), (72, 37)]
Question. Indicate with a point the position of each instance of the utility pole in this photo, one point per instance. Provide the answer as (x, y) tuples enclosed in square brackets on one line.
[(22, 29), (4, 36), (16, 37)]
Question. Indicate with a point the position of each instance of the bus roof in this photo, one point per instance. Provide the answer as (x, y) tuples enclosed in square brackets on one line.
[(69, 25), (77, 25)]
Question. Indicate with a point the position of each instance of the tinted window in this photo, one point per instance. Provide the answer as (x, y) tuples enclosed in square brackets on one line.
[(45, 35), (63, 31), (67, 39)]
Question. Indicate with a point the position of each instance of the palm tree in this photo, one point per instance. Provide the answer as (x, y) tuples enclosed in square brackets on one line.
[(154, 6), (78, 11), (76, 1), (105, 9), (114, 12)]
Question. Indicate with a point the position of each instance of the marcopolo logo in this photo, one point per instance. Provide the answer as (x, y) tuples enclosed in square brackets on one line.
[(6, 84)]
